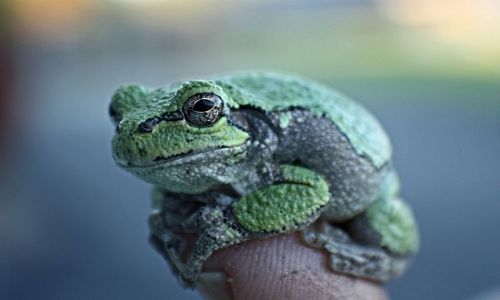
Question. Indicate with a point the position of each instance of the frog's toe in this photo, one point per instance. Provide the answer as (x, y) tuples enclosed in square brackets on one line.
[(352, 258)]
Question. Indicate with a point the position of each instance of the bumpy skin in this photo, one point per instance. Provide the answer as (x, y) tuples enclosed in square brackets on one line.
[(250, 155)]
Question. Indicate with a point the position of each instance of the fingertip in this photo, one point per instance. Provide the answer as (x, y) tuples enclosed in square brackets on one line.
[(280, 267)]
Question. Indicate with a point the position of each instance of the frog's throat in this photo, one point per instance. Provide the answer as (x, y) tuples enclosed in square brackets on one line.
[(209, 154)]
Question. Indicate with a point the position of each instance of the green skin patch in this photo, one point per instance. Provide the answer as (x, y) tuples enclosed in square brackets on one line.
[(393, 220), (147, 147), (284, 205)]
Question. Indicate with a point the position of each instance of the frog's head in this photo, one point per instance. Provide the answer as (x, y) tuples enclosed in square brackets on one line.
[(180, 138)]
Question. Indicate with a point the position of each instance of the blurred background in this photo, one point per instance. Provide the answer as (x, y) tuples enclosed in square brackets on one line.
[(73, 225)]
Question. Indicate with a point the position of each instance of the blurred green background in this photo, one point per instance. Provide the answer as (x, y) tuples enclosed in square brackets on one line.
[(73, 226)]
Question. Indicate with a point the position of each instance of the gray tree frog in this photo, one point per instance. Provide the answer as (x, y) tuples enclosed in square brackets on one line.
[(249, 155)]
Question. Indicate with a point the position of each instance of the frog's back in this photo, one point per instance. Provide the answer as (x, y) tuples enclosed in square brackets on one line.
[(279, 92)]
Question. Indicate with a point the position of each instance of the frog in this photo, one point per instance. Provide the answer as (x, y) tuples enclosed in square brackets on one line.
[(250, 155)]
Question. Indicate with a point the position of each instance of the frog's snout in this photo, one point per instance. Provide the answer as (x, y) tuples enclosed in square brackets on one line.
[(127, 151)]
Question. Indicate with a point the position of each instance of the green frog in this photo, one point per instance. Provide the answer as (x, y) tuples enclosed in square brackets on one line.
[(250, 155)]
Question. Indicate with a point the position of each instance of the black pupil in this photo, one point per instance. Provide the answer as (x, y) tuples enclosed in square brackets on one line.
[(203, 105)]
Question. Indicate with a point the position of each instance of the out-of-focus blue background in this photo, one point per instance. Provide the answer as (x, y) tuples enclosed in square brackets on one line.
[(73, 225)]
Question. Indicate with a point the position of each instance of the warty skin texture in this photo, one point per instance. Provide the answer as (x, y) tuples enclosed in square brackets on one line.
[(264, 154)]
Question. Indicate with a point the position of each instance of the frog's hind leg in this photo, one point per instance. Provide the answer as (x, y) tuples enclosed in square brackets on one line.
[(375, 245), (352, 258)]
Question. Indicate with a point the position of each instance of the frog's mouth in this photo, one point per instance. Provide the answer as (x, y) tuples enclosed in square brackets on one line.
[(206, 155)]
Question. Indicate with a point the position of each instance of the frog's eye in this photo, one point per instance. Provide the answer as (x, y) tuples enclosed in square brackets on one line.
[(203, 109)]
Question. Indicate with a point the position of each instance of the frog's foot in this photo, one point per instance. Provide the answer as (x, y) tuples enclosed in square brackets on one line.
[(351, 258), (166, 242), (217, 230)]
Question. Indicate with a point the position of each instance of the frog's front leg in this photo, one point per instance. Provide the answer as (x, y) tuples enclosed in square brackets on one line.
[(171, 222), (292, 202)]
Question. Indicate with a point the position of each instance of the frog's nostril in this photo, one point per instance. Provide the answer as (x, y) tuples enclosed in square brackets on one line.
[(148, 125), (145, 127)]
